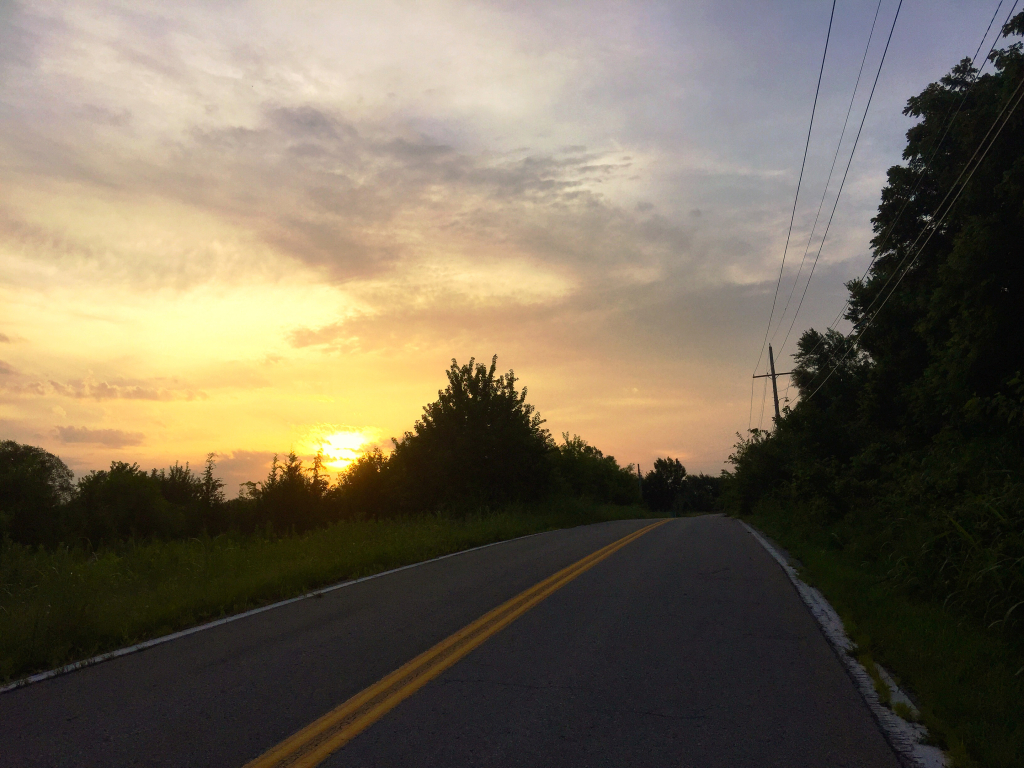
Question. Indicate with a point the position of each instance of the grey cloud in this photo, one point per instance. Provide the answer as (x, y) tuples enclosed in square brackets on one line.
[(19, 37), (4, 338), (6, 369), (103, 116), (336, 195), (112, 438), (242, 466), (309, 122), (84, 389), (625, 327), (102, 390)]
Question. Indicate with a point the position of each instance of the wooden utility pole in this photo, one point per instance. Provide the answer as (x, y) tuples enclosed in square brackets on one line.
[(773, 375)]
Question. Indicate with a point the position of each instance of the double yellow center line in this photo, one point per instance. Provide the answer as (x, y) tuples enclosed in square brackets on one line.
[(319, 739)]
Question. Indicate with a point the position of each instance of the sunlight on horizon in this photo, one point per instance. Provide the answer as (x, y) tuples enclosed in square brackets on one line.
[(342, 448)]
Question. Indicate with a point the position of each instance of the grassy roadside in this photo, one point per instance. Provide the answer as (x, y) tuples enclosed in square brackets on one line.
[(967, 680), (63, 605)]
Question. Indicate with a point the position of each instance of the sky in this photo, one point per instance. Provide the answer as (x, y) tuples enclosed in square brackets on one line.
[(254, 227)]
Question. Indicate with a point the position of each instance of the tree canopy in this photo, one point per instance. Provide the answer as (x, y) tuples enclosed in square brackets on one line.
[(906, 441)]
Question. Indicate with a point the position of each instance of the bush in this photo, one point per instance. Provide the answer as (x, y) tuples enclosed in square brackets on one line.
[(585, 472), (123, 502), (34, 485)]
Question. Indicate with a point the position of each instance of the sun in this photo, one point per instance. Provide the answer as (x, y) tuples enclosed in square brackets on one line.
[(342, 448)]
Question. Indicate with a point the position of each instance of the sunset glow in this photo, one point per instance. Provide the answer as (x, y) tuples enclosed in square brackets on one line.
[(343, 448), (225, 226)]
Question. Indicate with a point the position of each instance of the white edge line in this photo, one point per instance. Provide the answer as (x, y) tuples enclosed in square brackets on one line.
[(40, 676), (904, 737)]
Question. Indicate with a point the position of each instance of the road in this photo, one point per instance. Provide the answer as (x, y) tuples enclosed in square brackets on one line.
[(687, 646)]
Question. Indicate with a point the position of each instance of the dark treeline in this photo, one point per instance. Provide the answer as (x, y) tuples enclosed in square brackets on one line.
[(479, 447), (667, 488), (905, 448)]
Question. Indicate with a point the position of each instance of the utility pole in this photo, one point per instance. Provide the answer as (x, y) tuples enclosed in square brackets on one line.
[(773, 375), (639, 481)]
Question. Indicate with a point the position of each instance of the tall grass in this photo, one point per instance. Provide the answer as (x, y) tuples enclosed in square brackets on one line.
[(969, 679), (65, 604)]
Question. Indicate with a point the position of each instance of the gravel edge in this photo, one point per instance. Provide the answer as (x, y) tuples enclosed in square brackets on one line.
[(904, 737)]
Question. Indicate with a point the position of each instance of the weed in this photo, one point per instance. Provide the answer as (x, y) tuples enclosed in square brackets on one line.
[(66, 604), (905, 711), (963, 674)]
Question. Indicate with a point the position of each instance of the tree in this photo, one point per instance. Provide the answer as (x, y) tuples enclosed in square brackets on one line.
[(663, 484), (362, 490), (178, 484), (699, 493), (831, 367), (34, 485), (479, 443), (587, 473), (123, 502), (914, 449), (210, 487)]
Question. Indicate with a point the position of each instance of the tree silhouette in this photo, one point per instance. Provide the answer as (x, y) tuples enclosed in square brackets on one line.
[(480, 442)]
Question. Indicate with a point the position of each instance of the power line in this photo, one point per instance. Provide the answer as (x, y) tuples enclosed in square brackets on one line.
[(936, 222), (835, 157), (935, 149), (938, 144), (764, 397), (846, 172), (796, 197)]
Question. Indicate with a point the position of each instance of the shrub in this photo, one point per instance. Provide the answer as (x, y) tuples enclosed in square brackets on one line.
[(34, 485)]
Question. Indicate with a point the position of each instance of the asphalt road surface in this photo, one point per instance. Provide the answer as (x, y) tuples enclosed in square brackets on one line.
[(686, 647)]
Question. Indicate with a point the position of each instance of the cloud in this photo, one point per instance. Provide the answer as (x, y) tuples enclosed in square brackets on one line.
[(243, 466), (327, 335), (82, 389), (88, 389), (4, 338), (600, 195), (112, 438)]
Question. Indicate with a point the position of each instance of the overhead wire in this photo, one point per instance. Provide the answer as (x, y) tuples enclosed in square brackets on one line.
[(933, 221), (764, 398), (936, 220), (796, 197), (831, 170), (846, 173), (935, 148)]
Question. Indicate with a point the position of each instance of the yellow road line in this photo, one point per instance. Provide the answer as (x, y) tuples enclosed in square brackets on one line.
[(319, 739)]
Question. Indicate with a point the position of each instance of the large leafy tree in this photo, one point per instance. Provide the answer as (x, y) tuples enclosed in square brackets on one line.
[(480, 442), (908, 439), (664, 484), (943, 303), (34, 484)]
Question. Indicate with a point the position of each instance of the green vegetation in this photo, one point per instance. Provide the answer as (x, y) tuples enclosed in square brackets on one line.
[(967, 680), (126, 554), (63, 604), (667, 488), (898, 478), (480, 446)]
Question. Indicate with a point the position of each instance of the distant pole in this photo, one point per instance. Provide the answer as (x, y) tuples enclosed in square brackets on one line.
[(774, 376), (639, 481), (775, 387)]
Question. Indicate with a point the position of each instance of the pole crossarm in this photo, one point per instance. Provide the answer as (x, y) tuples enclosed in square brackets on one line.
[(768, 375)]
